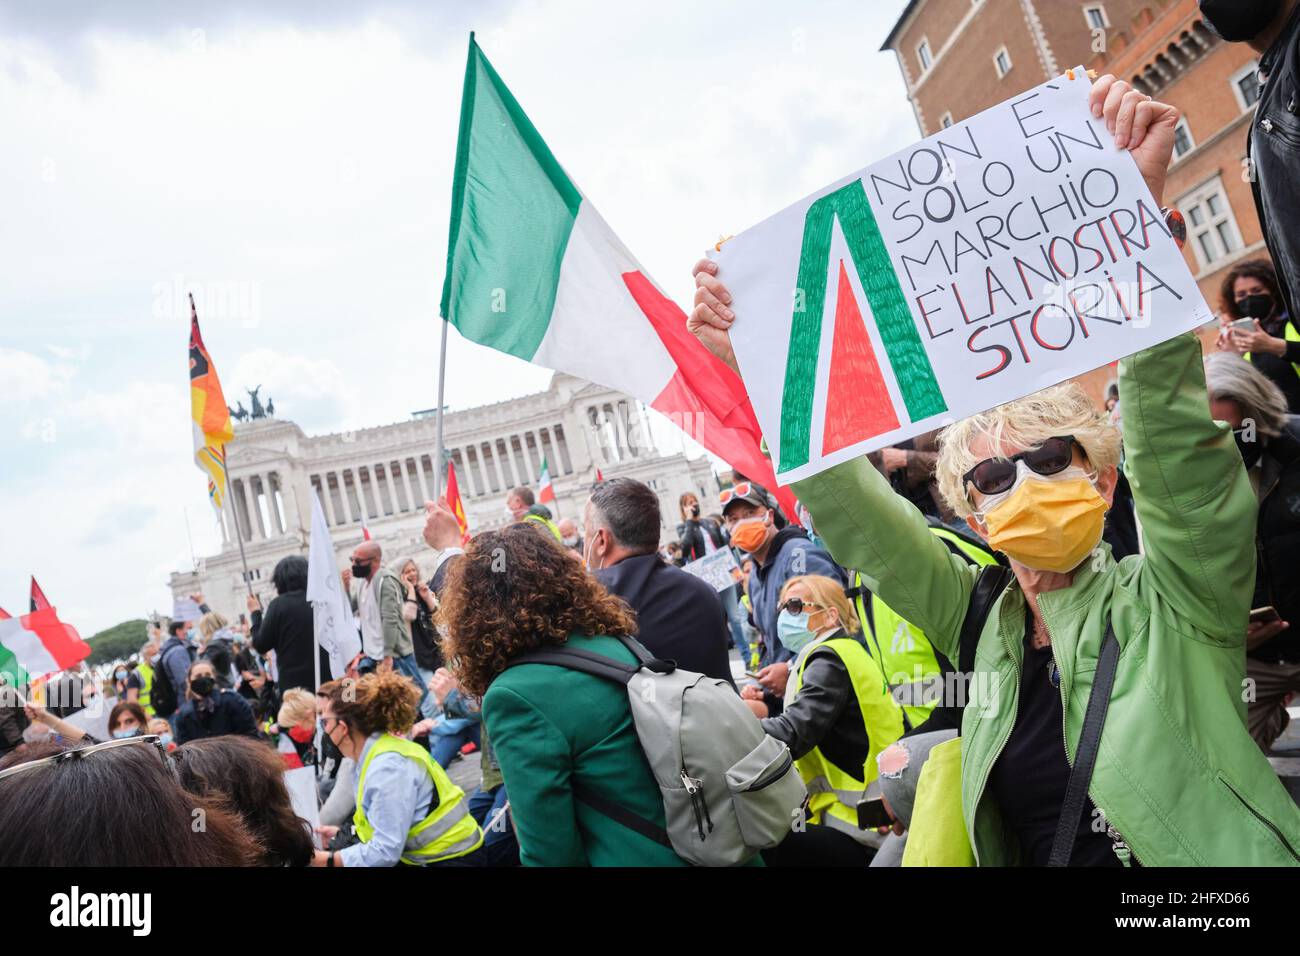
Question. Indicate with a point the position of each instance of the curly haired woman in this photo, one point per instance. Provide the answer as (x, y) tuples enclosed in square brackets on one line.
[(407, 811), (562, 737)]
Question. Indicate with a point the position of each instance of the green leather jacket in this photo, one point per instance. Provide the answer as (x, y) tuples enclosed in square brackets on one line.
[(1177, 774)]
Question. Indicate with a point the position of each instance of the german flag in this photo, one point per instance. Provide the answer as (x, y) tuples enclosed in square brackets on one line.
[(454, 502), (212, 425)]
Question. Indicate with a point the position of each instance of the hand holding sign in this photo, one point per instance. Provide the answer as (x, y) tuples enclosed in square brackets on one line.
[(1020, 229), (1139, 124)]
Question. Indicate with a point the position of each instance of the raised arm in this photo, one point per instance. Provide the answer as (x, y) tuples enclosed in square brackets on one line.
[(1194, 501), (870, 529)]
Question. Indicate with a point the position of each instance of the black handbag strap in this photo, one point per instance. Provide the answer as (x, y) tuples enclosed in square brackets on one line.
[(989, 585), (1085, 757)]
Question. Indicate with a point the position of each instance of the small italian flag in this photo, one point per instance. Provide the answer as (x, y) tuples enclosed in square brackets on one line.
[(533, 270), (545, 490), (38, 643)]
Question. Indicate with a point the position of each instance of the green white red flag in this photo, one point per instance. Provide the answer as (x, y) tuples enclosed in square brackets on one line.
[(533, 270)]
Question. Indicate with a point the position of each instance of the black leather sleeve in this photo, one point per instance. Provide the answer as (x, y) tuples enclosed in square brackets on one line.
[(822, 698)]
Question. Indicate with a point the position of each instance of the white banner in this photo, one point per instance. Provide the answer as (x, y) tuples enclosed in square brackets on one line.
[(1002, 255), (336, 628)]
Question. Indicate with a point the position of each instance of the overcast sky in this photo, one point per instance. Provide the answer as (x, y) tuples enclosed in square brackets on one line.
[(301, 157)]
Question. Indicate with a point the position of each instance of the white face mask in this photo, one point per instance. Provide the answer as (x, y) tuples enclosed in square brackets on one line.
[(590, 554)]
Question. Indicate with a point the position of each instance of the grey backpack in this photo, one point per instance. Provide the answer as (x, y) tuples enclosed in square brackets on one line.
[(729, 790)]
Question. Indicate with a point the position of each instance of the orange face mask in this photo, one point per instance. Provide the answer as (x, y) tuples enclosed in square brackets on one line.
[(1048, 524), (749, 535)]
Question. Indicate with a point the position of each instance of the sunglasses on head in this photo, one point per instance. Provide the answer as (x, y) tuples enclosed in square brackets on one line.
[(80, 753), (799, 605), (993, 476), (741, 490)]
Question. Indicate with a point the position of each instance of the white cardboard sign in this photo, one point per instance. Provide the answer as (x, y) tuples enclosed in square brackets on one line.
[(1002, 255)]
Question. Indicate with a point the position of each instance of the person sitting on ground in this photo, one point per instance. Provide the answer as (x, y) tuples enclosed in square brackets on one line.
[(679, 616), (246, 776), (838, 716), (209, 710), (407, 809), (295, 726)]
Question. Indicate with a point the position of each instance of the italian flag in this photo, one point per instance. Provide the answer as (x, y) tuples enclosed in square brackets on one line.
[(533, 270), (545, 490), (38, 643)]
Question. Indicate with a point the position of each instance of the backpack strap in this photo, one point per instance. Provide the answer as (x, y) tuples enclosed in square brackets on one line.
[(621, 814), (1085, 757), (992, 581), (597, 665)]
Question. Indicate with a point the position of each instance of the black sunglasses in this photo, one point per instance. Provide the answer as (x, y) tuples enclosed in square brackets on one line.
[(78, 753), (797, 605), (992, 476)]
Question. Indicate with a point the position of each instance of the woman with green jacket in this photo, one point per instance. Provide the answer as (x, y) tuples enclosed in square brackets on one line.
[(564, 739), (1177, 780)]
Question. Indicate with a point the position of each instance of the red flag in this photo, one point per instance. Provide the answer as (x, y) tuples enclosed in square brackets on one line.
[(455, 504), (365, 531), (4, 615), (39, 600), (599, 476)]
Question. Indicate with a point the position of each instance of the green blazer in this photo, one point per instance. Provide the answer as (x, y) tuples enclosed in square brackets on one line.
[(553, 727)]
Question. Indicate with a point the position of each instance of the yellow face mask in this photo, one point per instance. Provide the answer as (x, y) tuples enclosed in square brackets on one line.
[(1048, 524)]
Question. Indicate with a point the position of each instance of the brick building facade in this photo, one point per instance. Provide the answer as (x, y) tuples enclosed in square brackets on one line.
[(959, 57)]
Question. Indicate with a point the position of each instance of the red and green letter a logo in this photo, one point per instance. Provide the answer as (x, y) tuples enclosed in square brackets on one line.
[(858, 405)]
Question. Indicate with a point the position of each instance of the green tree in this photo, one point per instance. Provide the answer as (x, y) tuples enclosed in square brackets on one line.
[(117, 642)]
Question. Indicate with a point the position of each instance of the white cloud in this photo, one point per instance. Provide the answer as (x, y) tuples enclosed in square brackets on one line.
[(293, 169)]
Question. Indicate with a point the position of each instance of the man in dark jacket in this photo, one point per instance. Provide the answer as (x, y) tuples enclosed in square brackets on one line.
[(679, 616), (751, 517), (1271, 28), (287, 627)]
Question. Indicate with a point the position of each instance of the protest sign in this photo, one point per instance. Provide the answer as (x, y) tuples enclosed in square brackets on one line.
[(717, 569), (186, 609), (1002, 255), (301, 784)]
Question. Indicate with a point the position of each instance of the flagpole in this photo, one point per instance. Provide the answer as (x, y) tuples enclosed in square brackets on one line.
[(442, 376), (239, 532)]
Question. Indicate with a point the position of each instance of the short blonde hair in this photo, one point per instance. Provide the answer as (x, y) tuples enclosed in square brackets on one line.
[(1025, 423), (828, 593), (298, 706), (210, 623)]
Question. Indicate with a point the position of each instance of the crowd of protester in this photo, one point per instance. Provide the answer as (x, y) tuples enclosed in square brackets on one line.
[(907, 650)]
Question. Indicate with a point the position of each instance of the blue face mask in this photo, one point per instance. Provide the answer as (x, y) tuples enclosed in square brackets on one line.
[(166, 739), (793, 631), (121, 675), (122, 734)]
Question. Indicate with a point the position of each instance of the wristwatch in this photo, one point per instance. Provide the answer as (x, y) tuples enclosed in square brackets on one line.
[(330, 860)]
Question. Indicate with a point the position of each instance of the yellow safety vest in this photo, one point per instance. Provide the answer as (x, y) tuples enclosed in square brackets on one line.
[(834, 792), (146, 677), (548, 523), (901, 650), (1291, 335), (447, 832)]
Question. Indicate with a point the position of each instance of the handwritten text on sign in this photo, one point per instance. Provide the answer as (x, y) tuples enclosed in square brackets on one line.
[(1002, 255)]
